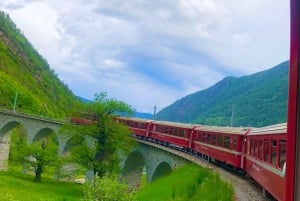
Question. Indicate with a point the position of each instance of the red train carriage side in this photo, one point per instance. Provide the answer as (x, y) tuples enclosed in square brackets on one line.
[(260, 151), (140, 127), (174, 134), (265, 158), (223, 144)]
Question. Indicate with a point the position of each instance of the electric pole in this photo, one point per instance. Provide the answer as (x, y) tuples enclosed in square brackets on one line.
[(15, 103), (231, 121)]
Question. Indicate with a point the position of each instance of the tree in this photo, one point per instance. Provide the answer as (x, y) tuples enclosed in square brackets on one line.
[(39, 155), (99, 142)]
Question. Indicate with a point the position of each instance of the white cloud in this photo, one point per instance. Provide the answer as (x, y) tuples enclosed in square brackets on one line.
[(141, 51), (111, 63), (14, 4)]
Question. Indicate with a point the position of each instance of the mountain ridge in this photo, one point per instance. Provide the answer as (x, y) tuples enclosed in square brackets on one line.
[(24, 70), (249, 94)]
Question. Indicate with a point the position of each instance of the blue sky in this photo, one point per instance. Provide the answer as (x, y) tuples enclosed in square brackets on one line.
[(150, 53)]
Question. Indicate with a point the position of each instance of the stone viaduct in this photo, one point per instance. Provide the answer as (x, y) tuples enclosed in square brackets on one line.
[(144, 159), (36, 128)]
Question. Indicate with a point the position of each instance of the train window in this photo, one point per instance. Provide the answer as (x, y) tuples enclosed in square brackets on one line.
[(252, 147), (203, 138), (198, 136), (176, 131), (214, 140), (136, 124), (260, 149), (209, 138), (227, 142), (248, 147), (266, 150), (274, 152), (256, 148), (164, 129), (171, 131), (142, 125), (181, 132), (220, 140), (168, 130), (234, 143), (161, 129), (282, 151)]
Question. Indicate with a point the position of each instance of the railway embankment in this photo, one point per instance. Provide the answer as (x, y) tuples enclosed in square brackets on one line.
[(244, 188), (188, 182)]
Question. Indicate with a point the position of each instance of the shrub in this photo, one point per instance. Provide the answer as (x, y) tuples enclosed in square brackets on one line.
[(107, 188)]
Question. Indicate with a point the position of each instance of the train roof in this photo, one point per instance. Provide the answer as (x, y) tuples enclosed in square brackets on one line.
[(273, 129), (165, 123), (229, 130), (136, 119), (175, 124)]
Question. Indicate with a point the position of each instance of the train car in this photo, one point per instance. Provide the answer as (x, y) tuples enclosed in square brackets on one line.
[(173, 134), (293, 132), (81, 121), (141, 128), (220, 144), (265, 157)]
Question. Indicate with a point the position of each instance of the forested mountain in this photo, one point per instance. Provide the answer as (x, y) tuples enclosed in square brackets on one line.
[(256, 100), (24, 70)]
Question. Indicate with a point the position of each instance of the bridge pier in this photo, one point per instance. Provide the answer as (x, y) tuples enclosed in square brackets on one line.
[(4, 151)]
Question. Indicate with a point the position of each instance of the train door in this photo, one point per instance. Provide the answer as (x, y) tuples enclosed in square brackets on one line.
[(293, 126)]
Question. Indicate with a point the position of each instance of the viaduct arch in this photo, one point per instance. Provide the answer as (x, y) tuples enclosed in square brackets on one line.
[(149, 160)]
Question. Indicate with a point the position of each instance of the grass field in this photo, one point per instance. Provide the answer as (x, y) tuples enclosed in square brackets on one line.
[(188, 183), (20, 187)]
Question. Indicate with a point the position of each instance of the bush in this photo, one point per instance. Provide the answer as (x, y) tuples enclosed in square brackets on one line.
[(107, 188)]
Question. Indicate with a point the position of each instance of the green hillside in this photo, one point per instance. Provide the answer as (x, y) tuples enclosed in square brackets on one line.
[(24, 70), (259, 99)]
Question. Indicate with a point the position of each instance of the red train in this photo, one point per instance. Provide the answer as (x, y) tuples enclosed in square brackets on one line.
[(259, 152)]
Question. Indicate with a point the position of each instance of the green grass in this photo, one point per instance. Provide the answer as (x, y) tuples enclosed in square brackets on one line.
[(20, 187), (189, 183)]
